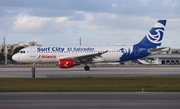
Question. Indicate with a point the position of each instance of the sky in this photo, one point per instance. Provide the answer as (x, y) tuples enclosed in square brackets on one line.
[(96, 22)]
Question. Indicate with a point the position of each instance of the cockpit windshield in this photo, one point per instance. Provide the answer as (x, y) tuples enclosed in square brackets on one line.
[(22, 52)]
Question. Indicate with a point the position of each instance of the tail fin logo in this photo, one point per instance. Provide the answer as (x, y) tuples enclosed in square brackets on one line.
[(156, 33)]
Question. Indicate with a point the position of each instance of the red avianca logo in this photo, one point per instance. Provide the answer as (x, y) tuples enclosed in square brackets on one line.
[(46, 56)]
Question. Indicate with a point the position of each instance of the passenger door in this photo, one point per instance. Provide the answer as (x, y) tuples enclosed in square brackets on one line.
[(32, 53)]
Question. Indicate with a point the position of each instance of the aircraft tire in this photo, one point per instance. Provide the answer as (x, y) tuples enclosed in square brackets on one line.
[(33, 69), (87, 68)]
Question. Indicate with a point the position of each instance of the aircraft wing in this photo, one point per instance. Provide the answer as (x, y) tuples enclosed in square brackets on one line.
[(85, 58)]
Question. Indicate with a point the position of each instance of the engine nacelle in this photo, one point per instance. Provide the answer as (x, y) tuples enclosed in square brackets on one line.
[(66, 63)]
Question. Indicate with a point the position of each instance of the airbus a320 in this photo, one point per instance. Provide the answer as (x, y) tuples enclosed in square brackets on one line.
[(68, 57)]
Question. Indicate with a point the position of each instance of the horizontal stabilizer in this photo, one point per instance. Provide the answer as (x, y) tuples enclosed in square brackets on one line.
[(158, 50)]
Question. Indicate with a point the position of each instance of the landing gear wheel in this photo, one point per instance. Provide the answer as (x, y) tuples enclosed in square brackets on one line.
[(33, 69), (87, 68)]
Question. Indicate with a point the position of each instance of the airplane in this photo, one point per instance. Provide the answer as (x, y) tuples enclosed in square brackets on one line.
[(68, 57), (143, 61)]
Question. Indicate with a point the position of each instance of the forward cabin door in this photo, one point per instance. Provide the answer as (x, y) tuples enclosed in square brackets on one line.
[(32, 52)]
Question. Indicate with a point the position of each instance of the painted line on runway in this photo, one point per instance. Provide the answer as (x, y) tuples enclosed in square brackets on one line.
[(80, 71), (6, 76), (137, 68)]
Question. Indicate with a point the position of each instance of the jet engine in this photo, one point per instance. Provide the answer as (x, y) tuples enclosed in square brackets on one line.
[(66, 63)]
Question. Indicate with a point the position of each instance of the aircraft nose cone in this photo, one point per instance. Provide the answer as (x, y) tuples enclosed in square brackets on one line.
[(15, 57)]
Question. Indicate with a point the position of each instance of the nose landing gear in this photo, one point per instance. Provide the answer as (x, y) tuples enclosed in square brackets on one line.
[(33, 71)]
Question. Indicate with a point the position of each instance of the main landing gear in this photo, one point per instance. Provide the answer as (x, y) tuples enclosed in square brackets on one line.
[(33, 68), (87, 68)]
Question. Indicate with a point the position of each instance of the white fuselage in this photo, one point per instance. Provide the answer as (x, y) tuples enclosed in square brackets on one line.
[(38, 54)]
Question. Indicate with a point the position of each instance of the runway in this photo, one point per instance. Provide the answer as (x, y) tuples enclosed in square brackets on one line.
[(94, 72), (89, 100)]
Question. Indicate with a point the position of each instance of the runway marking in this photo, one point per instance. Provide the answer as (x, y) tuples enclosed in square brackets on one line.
[(140, 68), (80, 71), (7, 76)]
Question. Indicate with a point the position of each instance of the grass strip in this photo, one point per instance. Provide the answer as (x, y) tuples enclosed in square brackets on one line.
[(91, 84)]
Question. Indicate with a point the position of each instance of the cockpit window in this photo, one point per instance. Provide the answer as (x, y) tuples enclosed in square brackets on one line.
[(22, 51)]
